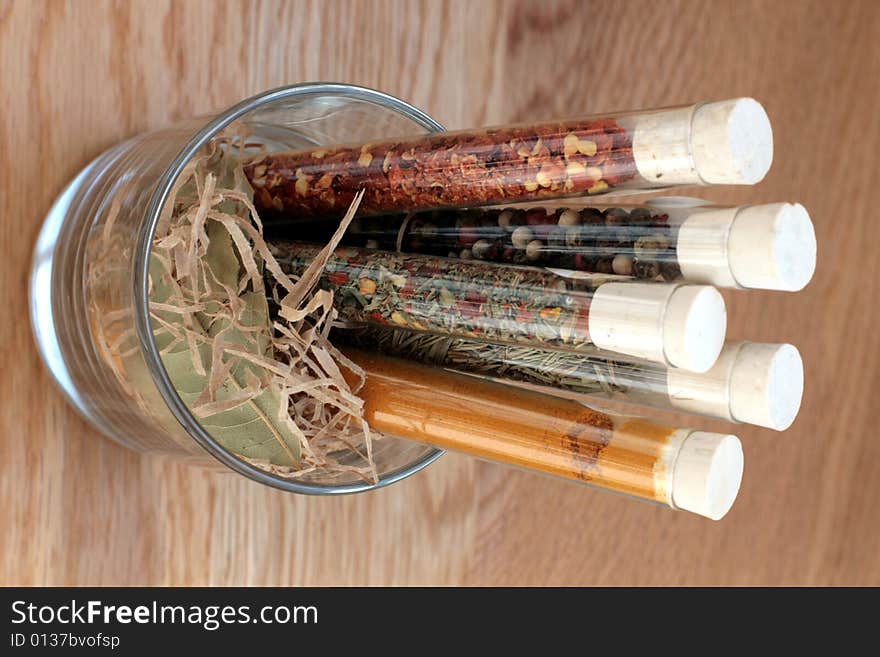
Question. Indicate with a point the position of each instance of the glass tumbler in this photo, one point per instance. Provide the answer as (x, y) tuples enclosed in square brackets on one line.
[(116, 201)]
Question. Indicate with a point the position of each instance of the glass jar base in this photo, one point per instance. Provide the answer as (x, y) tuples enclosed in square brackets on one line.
[(117, 197), (40, 291)]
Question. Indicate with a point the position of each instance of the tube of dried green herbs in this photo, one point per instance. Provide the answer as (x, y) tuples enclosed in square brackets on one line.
[(754, 383), (681, 325)]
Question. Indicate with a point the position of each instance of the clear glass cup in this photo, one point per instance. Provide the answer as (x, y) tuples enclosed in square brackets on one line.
[(117, 200)]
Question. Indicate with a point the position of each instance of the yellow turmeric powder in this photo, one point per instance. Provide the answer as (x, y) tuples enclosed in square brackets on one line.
[(695, 470)]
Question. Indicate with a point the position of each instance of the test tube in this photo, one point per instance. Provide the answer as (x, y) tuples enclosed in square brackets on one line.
[(725, 142), (753, 383), (697, 471), (770, 246), (676, 324)]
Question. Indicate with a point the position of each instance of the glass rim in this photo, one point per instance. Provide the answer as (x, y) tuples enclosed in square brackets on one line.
[(141, 288)]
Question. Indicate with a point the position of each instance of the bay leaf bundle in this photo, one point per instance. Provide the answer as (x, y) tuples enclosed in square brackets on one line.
[(268, 389), (239, 408)]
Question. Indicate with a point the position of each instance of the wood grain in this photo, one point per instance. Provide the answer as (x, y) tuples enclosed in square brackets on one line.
[(75, 77)]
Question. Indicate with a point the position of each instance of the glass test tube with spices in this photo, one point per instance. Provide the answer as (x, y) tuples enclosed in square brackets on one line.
[(680, 325), (681, 468), (769, 246), (726, 142), (754, 383)]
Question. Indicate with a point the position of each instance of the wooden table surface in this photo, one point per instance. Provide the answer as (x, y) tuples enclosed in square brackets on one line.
[(76, 77)]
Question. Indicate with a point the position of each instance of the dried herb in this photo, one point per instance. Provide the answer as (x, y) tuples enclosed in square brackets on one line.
[(486, 301), (239, 408), (578, 373), (270, 391), (467, 168)]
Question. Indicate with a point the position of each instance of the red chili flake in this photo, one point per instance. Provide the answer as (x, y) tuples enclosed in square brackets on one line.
[(337, 278), (604, 142), (467, 309), (464, 169), (525, 317)]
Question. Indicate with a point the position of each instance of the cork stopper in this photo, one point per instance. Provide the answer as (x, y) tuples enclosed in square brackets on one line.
[(732, 142), (707, 474), (694, 327), (681, 325), (766, 385), (769, 247), (729, 142), (755, 383), (773, 247)]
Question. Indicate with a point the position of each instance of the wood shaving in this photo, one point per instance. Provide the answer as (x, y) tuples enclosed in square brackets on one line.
[(206, 309)]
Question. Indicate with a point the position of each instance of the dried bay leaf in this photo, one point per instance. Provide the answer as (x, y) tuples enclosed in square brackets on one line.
[(256, 388), (162, 288), (246, 430), (220, 256), (257, 427), (252, 439)]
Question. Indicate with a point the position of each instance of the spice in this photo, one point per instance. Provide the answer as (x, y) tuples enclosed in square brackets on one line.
[(636, 242), (681, 468), (449, 169), (755, 383), (725, 142), (764, 246), (519, 305)]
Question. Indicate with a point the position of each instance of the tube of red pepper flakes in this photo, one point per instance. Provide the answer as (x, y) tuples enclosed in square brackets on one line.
[(678, 325), (770, 246), (726, 142)]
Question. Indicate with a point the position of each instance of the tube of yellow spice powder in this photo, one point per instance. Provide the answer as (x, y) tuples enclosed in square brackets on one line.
[(697, 471)]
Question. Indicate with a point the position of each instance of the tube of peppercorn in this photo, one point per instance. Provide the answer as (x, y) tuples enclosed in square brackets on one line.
[(770, 246), (725, 142)]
